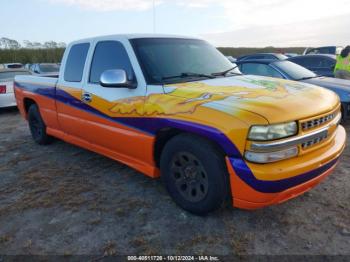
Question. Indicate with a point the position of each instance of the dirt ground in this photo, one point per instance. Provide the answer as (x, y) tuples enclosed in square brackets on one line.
[(61, 199)]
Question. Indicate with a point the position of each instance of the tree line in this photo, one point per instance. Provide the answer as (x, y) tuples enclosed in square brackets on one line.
[(12, 51), (51, 52)]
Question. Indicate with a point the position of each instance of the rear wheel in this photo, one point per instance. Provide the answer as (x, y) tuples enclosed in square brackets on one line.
[(37, 126), (195, 174)]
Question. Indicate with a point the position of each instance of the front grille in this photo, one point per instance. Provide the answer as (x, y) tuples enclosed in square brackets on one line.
[(317, 122), (314, 141)]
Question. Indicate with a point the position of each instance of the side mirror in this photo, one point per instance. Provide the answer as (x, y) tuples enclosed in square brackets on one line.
[(116, 78)]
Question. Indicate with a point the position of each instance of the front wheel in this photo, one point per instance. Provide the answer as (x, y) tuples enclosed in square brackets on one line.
[(37, 126), (195, 174)]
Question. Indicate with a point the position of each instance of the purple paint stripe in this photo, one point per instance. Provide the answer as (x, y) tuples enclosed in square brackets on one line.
[(48, 91), (153, 125), (145, 124), (244, 172)]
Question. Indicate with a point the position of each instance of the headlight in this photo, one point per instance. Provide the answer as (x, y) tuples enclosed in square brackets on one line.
[(272, 132)]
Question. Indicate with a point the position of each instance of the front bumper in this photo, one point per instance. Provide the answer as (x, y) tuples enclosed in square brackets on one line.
[(7, 100), (256, 186)]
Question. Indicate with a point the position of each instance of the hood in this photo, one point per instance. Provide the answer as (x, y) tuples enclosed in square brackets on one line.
[(277, 100)]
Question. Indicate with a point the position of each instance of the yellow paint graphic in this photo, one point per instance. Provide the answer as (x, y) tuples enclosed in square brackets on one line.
[(185, 98)]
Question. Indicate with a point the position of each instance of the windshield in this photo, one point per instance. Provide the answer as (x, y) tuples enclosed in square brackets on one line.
[(11, 75), (163, 58), (48, 68), (296, 72)]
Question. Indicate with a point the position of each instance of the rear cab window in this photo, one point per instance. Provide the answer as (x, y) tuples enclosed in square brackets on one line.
[(75, 63)]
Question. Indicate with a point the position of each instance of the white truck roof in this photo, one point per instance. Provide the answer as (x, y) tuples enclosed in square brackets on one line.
[(130, 36)]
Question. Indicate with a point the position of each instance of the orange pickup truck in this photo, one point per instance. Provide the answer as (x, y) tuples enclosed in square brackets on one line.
[(175, 107)]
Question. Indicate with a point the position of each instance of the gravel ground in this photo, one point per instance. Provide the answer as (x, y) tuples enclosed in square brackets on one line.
[(61, 199)]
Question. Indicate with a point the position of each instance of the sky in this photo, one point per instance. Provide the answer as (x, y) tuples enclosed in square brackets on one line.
[(248, 23)]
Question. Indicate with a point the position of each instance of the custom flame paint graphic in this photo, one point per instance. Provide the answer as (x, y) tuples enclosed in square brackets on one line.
[(185, 98), (221, 110)]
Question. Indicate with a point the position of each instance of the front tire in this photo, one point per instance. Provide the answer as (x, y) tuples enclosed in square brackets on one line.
[(195, 174), (37, 126)]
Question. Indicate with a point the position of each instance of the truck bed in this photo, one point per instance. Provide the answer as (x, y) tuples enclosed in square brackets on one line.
[(49, 81), (42, 91), (34, 86)]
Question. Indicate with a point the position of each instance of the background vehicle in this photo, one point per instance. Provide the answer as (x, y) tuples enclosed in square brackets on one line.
[(272, 56), (331, 50), (322, 65), (7, 76), (292, 71), (291, 54), (45, 69), (11, 66), (231, 59), (173, 106), (27, 66)]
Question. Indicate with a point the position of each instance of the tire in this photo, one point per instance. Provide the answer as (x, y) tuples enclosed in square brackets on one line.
[(195, 174), (37, 126)]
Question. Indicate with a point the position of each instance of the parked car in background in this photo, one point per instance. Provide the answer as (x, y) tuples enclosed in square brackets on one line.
[(11, 66), (45, 69), (172, 107), (231, 59), (272, 56), (291, 54), (331, 50), (7, 96), (27, 66), (292, 71), (322, 65)]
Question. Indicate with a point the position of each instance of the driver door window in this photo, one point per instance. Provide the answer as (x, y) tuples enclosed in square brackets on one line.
[(109, 55)]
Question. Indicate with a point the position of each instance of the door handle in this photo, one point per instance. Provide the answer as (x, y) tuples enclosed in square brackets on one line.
[(86, 97)]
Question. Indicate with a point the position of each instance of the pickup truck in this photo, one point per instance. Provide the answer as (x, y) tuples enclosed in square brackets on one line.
[(176, 108)]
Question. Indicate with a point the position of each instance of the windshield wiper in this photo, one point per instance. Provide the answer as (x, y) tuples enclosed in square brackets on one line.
[(186, 75), (224, 73)]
